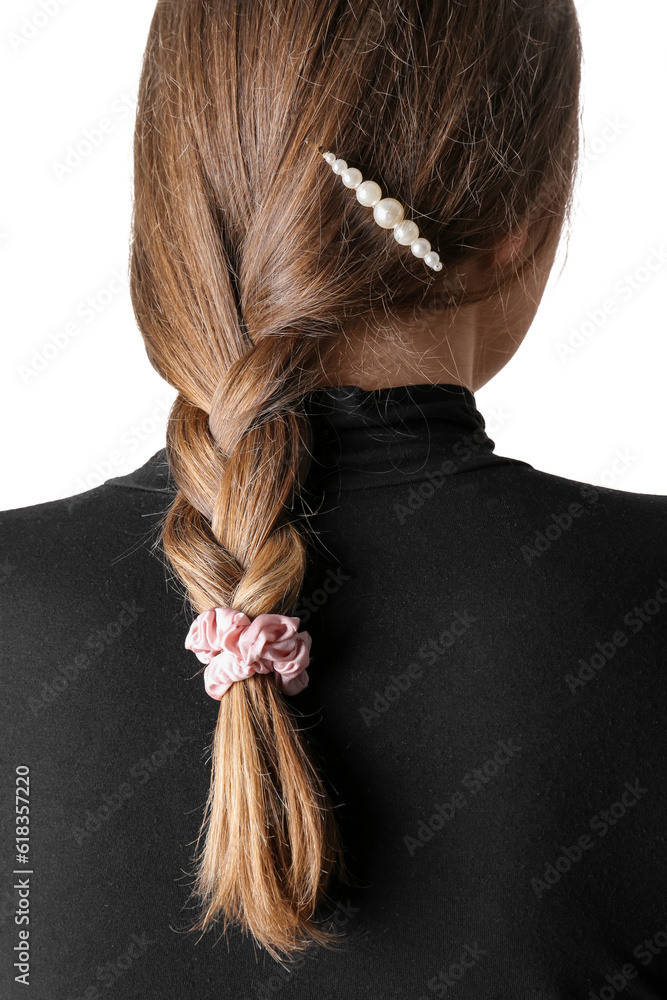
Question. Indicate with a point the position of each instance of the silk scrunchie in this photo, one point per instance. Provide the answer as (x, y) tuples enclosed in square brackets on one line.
[(235, 648)]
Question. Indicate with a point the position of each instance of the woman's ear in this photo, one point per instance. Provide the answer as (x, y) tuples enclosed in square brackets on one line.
[(510, 246), (522, 241)]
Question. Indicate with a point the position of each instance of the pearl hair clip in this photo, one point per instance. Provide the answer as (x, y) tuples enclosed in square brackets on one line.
[(387, 212)]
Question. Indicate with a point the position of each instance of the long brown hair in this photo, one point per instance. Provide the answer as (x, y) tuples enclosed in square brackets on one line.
[(249, 256)]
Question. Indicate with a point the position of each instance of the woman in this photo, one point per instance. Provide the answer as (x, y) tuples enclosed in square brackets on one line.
[(437, 672)]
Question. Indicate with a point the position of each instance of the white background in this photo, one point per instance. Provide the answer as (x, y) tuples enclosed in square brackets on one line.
[(98, 409)]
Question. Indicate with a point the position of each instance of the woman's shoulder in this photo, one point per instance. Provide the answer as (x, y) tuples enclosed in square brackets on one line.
[(114, 494), (523, 480), (546, 513), (592, 497), (62, 553)]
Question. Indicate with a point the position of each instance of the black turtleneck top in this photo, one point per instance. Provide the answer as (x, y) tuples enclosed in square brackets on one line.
[(487, 697)]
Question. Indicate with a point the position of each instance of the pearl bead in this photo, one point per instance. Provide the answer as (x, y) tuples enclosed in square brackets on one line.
[(369, 193), (352, 177), (406, 232), (420, 247), (388, 213)]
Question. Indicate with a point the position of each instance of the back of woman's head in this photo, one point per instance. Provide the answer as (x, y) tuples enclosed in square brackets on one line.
[(248, 259)]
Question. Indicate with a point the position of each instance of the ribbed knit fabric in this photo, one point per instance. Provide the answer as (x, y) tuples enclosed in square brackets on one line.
[(487, 697)]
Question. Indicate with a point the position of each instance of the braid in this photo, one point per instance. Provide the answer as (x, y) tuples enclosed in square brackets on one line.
[(270, 841)]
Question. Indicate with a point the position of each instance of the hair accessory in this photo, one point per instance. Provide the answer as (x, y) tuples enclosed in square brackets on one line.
[(387, 212), (234, 648)]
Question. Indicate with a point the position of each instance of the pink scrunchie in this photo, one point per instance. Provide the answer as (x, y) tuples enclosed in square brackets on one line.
[(236, 648)]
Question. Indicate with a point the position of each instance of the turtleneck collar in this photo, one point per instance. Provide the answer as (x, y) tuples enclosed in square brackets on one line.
[(374, 437)]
